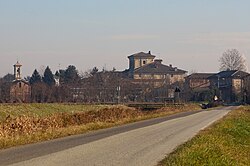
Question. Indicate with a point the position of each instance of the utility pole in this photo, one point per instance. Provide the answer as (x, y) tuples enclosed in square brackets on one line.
[(219, 95), (118, 94), (218, 81)]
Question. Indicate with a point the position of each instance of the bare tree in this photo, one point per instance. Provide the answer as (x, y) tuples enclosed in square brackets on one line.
[(232, 59)]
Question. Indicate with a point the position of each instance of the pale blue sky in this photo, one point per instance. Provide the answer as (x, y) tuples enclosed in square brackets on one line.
[(190, 34)]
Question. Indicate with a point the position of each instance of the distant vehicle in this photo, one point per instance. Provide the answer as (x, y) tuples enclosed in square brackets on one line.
[(215, 103)]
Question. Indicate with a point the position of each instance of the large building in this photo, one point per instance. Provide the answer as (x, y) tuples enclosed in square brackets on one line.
[(158, 81), (20, 90), (144, 67)]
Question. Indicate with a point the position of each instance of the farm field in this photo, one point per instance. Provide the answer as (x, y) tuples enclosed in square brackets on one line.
[(43, 110), (28, 123)]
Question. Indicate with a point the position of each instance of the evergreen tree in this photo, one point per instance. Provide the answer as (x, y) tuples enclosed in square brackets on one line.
[(35, 78), (71, 75), (48, 77), (60, 75)]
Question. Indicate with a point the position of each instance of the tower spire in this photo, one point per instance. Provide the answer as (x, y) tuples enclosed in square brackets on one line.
[(17, 71)]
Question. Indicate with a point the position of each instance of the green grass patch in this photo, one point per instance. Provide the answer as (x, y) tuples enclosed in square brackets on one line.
[(225, 143)]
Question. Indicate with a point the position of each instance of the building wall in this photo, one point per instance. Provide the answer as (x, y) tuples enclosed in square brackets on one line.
[(177, 78), (237, 85), (135, 63), (142, 61), (172, 77), (149, 76), (161, 78), (199, 82), (20, 92)]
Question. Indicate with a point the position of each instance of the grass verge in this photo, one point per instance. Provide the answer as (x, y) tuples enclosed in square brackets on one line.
[(32, 125), (227, 142)]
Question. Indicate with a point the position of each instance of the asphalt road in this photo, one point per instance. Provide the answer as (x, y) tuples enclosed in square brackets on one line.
[(139, 144)]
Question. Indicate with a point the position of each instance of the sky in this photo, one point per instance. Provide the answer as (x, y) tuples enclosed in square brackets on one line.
[(189, 34)]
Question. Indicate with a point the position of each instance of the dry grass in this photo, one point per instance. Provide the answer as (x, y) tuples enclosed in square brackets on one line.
[(225, 143), (28, 126), (44, 109)]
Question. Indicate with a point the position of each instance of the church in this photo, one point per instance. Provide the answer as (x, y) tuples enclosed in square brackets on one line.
[(20, 90)]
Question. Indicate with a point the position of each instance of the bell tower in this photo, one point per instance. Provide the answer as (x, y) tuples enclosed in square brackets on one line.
[(17, 71)]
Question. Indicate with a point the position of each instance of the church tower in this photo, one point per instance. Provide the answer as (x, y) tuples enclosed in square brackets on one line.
[(20, 90), (17, 71), (138, 60)]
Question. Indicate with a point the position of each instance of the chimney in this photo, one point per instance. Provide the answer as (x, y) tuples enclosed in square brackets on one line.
[(149, 52), (158, 61)]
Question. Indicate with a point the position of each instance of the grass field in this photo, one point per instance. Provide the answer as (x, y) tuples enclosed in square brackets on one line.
[(225, 143), (28, 123)]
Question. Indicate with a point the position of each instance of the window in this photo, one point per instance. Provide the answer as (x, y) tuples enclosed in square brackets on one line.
[(144, 62), (20, 84)]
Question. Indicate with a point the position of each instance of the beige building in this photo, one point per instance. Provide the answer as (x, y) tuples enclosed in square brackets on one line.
[(143, 67), (158, 81), (20, 90)]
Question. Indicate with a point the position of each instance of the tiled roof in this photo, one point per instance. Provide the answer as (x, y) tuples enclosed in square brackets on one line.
[(158, 68), (240, 74), (230, 73), (199, 75), (142, 55)]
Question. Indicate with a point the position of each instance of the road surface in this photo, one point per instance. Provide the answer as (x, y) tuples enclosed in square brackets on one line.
[(138, 144)]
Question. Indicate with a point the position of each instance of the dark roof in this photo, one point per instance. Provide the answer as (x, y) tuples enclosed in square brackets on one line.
[(199, 75), (230, 73), (158, 68), (142, 55)]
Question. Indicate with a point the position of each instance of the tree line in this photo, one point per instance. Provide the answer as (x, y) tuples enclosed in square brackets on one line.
[(93, 86), (67, 85)]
